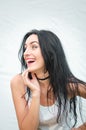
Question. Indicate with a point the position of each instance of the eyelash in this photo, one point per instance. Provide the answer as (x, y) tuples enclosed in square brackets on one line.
[(33, 47)]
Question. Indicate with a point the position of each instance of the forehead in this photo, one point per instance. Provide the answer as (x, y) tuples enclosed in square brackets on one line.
[(31, 38)]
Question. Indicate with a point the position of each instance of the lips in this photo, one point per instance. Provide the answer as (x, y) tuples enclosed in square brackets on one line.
[(30, 61)]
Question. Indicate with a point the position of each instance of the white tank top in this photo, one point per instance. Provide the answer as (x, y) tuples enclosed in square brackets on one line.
[(48, 117)]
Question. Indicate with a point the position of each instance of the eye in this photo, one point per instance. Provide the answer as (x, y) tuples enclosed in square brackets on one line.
[(34, 46)]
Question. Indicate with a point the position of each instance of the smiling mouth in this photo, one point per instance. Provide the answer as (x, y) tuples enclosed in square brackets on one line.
[(30, 62)]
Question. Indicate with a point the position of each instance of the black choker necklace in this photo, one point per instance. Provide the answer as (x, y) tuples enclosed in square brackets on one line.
[(43, 78)]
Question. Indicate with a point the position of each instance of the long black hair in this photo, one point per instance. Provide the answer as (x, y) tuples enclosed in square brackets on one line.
[(61, 77)]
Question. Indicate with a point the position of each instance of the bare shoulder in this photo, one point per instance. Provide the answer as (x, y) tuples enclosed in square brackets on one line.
[(82, 90), (17, 83), (78, 89), (16, 79)]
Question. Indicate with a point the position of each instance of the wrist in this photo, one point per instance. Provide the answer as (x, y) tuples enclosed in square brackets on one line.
[(36, 94)]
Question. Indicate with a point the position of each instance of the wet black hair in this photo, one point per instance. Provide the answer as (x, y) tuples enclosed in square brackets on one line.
[(61, 77)]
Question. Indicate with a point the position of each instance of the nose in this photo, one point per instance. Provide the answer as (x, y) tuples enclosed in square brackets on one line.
[(27, 52)]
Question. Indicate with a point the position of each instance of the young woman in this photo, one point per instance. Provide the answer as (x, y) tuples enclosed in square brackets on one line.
[(45, 92)]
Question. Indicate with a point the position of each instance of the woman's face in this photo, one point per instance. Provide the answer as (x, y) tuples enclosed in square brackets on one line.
[(32, 55)]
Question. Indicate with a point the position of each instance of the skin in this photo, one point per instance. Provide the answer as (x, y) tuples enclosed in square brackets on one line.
[(35, 64)]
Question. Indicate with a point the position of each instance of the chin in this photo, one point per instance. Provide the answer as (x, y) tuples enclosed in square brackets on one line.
[(32, 70)]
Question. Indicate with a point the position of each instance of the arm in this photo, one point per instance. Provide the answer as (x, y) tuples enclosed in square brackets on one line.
[(74, 91), (82, 90), (82, 93), (28, 117), (82, 127)]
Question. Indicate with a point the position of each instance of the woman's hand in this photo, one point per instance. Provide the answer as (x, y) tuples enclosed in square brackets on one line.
[(33, 83)]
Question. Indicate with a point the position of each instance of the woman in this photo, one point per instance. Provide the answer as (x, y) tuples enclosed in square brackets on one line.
[(45, 93)]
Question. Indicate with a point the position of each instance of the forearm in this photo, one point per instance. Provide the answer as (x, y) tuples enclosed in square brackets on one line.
[(27, 116), (81, 127), (31, 119)]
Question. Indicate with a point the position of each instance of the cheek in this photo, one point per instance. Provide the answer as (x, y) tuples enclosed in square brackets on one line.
[(42, 62), (40, 57)]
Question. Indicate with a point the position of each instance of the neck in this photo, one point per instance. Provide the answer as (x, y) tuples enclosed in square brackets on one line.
[(41, 76)]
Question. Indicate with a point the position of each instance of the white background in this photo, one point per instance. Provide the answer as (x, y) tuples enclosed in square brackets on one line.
[(67, 18)]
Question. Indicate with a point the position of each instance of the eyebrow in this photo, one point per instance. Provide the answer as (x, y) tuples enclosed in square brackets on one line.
[(32, 42)]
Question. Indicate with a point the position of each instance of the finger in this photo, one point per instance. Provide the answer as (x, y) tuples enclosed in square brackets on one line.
[(23, 74), (33, 76)]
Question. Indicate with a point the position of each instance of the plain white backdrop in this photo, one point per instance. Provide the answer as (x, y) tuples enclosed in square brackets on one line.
[(66, 18)]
